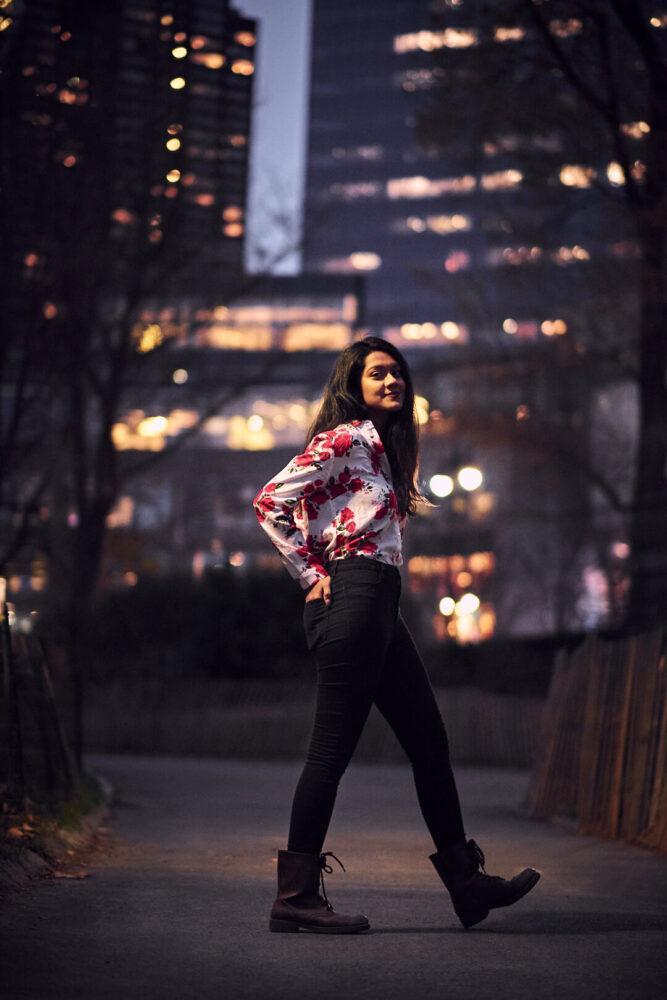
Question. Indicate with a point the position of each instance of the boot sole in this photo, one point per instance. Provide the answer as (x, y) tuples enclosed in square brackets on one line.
[(471, 917), (290, 927)]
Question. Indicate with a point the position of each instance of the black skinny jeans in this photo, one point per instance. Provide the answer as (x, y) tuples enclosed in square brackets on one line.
[(365, 655)]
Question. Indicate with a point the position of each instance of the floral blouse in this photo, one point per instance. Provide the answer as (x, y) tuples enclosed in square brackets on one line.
[(334, 501)]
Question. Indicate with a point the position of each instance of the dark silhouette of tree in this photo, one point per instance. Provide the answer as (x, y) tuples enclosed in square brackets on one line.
[(94, 233)]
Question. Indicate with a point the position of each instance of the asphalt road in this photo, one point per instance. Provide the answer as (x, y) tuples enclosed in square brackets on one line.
[(177, 907)]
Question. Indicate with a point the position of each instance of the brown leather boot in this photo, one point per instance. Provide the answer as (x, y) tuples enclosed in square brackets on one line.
[(299, 903), (473, 892)]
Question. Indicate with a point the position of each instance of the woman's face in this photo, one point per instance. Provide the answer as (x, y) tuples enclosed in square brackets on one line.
[(382, 386)]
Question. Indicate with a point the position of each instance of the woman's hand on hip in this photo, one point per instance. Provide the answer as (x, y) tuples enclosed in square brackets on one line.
[(320, 589)]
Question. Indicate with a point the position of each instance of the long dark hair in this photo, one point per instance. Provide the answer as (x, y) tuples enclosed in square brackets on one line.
[(343, 401)]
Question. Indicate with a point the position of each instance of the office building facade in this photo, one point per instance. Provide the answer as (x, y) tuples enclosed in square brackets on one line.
[(459, 241)]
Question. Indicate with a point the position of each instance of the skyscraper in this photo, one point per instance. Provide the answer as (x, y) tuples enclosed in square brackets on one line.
[(459, 239), (146, 101)]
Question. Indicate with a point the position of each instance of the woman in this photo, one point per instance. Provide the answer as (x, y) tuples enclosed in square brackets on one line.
[(336, 514)]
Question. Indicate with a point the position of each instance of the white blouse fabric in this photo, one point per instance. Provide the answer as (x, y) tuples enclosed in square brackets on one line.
[(335, 501)]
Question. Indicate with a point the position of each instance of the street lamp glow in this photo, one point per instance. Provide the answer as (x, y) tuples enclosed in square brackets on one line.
[(468, 604), (441, 486), (470, 478), (446, 606)]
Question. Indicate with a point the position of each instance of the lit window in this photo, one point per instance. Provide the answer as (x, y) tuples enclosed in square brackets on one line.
[(233, 229), (245, 38), (566, 28), (177, 83), (358, 189), (429, 41), (49, 310), (499, 256), (638, 170), (566, 255), (444, 224), (416, 79), (502, 180), (554, 327), (173, 145), (197, 42), (148, 338), (166, 19), (636, 130), (508, 34), (174, 176), (205, 199), (232, 213), (238, 141), (451, 331), (180, 52), (364, 261), (457, 261), (212, 60), (243, 67), (30, 259), (573, 175), (123, 216), (615, 174), (317, 336), (423, 187), (241, 338), (152, 426), (174, 129)]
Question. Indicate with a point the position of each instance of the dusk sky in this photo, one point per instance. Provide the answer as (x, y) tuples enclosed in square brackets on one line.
[(278, 149)]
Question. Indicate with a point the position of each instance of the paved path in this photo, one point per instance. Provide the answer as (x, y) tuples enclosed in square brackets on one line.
[(178, 907)]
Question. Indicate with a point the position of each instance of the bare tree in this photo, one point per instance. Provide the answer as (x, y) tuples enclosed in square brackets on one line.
[(94, 234), (587, 79)]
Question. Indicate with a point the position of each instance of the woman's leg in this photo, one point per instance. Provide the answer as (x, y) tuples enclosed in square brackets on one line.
[(349, 640), (405, 698)]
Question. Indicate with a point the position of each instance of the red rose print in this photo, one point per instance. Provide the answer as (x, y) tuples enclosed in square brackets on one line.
[(342, 444)]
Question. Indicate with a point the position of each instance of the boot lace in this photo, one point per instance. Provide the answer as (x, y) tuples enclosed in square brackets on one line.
[(326, 867), (476, 856)]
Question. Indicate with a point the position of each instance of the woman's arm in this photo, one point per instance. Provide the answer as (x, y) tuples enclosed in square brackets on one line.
[(301, 482)]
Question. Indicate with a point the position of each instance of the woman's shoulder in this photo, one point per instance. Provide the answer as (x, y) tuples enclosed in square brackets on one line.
[(341, 439)]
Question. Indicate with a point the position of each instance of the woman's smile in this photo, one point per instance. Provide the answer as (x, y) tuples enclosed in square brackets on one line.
[(382, 385)]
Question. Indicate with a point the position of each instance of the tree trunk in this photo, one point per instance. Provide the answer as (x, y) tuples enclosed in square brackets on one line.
[(648, 527)]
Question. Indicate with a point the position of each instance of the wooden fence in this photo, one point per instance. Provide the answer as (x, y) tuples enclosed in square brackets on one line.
[(35, 758), (603, 754)]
